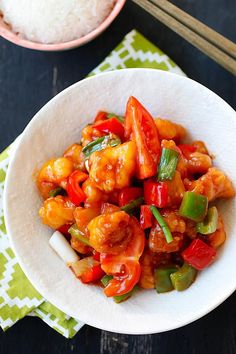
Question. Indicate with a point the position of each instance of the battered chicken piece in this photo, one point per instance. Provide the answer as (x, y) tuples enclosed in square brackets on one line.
[(149, 262), (45, 188), (83, 216), (55, 170), (113, 167), (74, 153), (169, 130), (157, 240), (214, 184), (110, 233), (79, 246), (89, 133), (191, 230), (176, 190), (200, 146), (52, 174), (57, 211), (108, 208), (146, 280), (175, 222), (198, 163), (94, 196)]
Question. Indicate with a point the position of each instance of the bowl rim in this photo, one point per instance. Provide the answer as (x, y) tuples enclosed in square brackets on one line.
[(14, 38), (40, 289)]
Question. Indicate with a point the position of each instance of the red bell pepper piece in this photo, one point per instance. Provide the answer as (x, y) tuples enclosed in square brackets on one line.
[(187, 149), (146, 217), (92, 274), (156, 193), (87, 270), (199, 255), (141, 128), (129, 193), (111, 125), (100, 116), (75, 193)]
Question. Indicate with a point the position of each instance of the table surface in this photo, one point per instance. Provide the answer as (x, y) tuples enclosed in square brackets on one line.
[(29, 79)]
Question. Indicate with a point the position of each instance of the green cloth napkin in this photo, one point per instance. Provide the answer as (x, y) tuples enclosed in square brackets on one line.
[(18, 297)]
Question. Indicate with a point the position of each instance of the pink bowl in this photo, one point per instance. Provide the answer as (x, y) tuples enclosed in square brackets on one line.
[(7, 33)]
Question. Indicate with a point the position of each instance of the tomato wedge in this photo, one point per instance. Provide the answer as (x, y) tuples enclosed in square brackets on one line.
[(75, 193), (124, 267), (141, 127)]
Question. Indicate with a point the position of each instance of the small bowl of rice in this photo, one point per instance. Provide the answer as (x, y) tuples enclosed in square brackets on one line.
[(55, 25)]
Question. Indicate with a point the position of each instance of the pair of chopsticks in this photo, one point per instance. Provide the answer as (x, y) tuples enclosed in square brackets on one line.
[(210, 42)]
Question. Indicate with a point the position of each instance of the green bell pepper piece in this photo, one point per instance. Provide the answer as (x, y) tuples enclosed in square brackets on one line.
[(209, 224), (184, 277), (193, 206), (100, 144), (162, 223), (132, 206), (124, 297), (75, 232), (105, 279), (168, 163), (162, 278), (57, 191)]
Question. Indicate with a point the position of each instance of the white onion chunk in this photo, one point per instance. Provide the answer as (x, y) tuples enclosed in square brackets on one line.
[(63, 248)]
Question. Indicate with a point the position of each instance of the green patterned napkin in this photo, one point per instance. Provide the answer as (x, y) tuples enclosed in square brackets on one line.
[(18, 297)]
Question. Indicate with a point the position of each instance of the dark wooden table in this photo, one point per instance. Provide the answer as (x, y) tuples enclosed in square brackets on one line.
[(27, 82)]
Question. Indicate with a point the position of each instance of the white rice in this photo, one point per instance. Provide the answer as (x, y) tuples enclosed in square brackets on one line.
[(54, 21)]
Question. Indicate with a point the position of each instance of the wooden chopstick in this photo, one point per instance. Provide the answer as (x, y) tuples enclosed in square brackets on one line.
[(208, 33), (220, 49)]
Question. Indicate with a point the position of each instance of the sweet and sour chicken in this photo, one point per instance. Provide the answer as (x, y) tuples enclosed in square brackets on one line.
[(132, 200)]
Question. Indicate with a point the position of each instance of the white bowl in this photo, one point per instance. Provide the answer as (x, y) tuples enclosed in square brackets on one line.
[(58, 124)]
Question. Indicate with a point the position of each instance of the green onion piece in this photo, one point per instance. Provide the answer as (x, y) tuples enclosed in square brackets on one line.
[(112, 115), (105, 280), (57, 191), (132, 206), (75, 232), (162, 223), (209, 224), (162, 278), (184, 277), (100, 144), (193, 206), (167, 165)]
